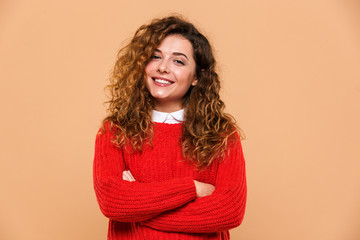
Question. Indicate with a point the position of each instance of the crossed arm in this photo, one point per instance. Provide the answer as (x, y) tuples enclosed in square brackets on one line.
[(179, 205), (202, 189)]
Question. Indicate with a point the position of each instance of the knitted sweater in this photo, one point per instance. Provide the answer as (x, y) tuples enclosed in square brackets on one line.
[(162, 202)]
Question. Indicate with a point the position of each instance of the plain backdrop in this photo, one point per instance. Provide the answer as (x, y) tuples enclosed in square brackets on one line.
[(290, 73)]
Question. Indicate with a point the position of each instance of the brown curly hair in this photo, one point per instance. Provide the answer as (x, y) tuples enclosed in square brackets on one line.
[(206, 129)]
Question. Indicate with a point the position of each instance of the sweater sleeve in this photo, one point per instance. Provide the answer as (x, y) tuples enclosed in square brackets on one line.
[(221, 211), (132, 201)]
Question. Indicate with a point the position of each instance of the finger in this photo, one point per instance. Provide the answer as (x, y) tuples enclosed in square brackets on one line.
[(128, 176), (131, 176), (125, 176)]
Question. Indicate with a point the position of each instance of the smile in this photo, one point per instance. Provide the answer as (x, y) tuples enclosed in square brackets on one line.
[(162, 81)]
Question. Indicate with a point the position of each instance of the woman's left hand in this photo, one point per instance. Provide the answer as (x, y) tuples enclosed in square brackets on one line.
[(127, 176)]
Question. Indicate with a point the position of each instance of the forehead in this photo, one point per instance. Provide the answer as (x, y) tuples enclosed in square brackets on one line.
[(176, 43)]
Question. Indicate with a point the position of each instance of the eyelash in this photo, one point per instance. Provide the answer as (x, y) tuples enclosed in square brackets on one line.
[(176, 60), (180, 62)]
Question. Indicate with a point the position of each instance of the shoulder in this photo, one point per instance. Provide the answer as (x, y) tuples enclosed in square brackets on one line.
[(234, 145), (107, 127), (234, 135), (106, 133)]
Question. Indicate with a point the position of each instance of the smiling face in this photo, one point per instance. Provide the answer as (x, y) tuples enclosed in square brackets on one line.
[(170, 73)]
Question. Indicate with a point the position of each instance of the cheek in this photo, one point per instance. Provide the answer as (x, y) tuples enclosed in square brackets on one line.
[(146, 82), (149, 68), (186, 77)]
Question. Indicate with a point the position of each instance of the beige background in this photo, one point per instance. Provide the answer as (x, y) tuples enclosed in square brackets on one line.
[(291, 77)]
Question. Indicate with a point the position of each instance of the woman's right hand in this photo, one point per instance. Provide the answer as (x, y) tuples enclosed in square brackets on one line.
[(127, 176), (203, 189)]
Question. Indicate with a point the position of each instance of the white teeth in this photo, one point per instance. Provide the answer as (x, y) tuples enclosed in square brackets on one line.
[(162, 81)]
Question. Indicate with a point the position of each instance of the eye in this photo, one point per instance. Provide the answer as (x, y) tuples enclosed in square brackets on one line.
[(179, 62), (155, 57)]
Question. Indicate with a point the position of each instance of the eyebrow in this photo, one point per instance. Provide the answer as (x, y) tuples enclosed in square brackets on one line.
[(174, 53)]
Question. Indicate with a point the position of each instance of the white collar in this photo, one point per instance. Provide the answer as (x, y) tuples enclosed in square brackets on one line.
[(171, 118)]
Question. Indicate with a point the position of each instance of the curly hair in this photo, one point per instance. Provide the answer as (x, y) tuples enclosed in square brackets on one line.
[(206, 129)]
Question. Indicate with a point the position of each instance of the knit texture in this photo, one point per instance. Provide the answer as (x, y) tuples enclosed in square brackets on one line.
[(162, 202)]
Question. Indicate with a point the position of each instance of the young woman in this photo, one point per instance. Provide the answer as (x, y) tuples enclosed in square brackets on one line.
[(168, 160)]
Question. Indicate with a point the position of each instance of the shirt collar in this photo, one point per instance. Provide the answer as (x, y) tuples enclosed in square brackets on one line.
[(171, 118)]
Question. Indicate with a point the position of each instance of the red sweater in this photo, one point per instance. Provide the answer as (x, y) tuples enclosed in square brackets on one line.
[(162, 202)]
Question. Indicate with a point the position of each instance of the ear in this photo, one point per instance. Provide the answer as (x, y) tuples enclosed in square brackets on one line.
[(194, 82)]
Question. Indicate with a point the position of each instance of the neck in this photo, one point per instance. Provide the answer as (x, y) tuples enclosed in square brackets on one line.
[(168, 107)]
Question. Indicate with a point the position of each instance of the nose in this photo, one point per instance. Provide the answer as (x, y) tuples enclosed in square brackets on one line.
[(163, 67)]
